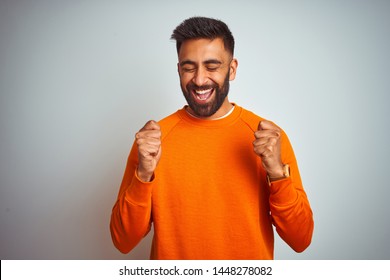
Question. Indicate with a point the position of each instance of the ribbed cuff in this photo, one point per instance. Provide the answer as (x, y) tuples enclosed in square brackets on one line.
[(139, 192), (282, 192)]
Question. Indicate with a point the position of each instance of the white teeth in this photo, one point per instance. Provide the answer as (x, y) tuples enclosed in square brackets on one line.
[(203, 91), (203, 94)]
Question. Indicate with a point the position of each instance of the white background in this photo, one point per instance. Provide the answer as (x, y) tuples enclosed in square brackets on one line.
[(79, 78)]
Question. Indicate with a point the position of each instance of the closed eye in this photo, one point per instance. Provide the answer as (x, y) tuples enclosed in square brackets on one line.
[(188, 69), (212, 68), (212, 64)]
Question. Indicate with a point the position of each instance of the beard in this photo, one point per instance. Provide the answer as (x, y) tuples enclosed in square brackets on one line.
[(210, 108)]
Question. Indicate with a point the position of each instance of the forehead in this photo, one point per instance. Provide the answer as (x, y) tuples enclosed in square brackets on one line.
[(203, 49)]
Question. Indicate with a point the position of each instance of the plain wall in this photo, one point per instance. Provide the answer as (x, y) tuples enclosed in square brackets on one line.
[(79, 78)]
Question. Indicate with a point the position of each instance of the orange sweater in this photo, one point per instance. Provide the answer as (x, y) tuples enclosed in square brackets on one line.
[(210, 198)]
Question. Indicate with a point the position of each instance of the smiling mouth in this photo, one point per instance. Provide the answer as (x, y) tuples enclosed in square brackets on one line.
[(203, 95)]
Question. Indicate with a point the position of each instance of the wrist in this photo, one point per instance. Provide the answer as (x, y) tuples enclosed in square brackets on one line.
[(276, 171), (144, 176), (281, 173)]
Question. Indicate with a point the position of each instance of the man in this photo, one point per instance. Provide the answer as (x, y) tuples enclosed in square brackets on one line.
[(212, 178)]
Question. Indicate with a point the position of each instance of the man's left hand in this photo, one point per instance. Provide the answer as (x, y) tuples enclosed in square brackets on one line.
[(267, 146)]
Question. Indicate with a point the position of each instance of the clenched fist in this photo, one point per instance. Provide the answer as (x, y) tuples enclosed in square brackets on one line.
[(267, 146), (148, 140)]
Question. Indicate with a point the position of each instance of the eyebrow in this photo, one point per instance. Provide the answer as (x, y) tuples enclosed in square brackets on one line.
[(209, 61), (212, 61)]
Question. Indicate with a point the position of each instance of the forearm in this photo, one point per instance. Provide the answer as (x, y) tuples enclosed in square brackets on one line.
[(131, 216), (291, 214)]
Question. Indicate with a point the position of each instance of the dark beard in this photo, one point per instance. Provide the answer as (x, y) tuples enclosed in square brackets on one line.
[(207, 110)]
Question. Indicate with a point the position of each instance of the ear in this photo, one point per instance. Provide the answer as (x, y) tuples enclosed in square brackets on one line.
[(233, 69), (178, 69)]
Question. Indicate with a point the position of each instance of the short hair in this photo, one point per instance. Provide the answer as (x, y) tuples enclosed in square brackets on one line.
[(203, 28)]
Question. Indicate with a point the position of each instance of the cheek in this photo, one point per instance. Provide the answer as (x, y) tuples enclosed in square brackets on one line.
[(219, 77), (185, 80), (219, 80)]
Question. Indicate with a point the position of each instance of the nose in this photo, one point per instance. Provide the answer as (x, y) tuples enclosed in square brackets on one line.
[(200, 77)]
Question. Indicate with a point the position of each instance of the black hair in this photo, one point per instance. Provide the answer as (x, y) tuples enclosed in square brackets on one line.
[(203, 28)]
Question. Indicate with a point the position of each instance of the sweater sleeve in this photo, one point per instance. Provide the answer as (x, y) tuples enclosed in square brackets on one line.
[(289, 205), (131, 214)]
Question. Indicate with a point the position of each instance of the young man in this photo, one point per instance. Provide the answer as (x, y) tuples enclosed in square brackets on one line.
[(212, 178)]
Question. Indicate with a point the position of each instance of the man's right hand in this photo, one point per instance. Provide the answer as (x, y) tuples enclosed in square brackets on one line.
[(148, 140)]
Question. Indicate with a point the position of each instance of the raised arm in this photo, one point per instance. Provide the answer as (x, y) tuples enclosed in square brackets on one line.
[(290, 209), (131, 214)]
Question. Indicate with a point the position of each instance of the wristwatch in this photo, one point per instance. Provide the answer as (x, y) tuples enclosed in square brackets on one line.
[(286, 174)]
